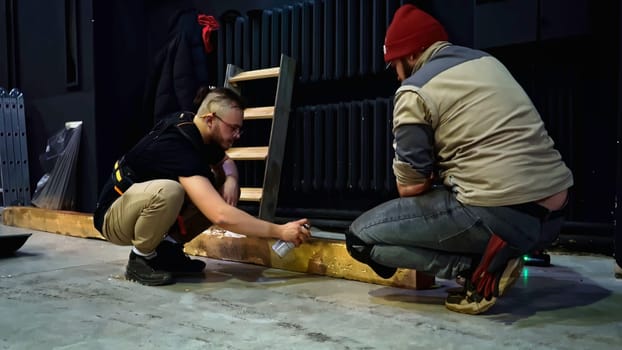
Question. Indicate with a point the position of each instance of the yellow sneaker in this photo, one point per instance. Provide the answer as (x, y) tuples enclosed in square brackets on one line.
[(469, 302), (472, 302), (509, 276)]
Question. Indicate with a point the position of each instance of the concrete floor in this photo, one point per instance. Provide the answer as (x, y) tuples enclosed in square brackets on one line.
[(60, 292)]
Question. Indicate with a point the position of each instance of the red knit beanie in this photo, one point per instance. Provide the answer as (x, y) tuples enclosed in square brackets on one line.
[(411, 31)]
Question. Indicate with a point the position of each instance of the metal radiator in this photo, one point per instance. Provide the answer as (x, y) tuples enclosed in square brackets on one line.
[(14, 176), (342, 147), (334, 147), (330, 39)]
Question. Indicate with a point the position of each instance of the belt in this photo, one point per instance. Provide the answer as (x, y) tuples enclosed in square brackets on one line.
[(536, 210), (122, 177)]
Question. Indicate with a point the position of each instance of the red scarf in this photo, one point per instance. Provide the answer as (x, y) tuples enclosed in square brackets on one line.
[(209, 24)]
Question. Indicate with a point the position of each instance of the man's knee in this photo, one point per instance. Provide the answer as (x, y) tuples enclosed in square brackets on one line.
[(357, 248), (361, 251)]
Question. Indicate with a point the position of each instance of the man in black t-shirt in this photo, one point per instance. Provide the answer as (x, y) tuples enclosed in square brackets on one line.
[(176, 182)]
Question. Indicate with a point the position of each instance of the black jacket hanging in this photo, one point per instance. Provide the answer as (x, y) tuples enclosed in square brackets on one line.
[(179, 68)]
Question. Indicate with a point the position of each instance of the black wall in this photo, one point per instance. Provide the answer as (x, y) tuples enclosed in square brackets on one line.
[(120, 47), (4, 44), (618, 207), (48, 55)]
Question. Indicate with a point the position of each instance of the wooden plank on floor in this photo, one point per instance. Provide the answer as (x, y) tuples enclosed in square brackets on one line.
[(69, 223), (321, 257), (318, 256)]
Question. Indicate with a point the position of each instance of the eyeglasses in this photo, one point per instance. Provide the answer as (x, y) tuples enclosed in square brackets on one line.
[(236, 129)]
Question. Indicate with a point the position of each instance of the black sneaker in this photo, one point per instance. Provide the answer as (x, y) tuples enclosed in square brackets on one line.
[(461, 280), (142, 270), (171, 258)]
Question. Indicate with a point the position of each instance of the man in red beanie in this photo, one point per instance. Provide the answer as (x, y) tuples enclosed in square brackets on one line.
[(479, 179)]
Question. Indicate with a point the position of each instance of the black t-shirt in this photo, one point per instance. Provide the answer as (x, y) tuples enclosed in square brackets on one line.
[(177, 150), (172, 155)]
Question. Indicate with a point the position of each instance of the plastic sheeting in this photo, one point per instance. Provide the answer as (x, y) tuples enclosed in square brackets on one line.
[(57, 187)]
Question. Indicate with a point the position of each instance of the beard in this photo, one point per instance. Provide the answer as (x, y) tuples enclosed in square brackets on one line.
[(409, 69), (218, 139)]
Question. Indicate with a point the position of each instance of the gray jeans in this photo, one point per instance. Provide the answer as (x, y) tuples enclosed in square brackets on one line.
[(436, 234)]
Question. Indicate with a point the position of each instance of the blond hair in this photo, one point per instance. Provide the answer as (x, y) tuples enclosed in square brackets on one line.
[(218, 99)]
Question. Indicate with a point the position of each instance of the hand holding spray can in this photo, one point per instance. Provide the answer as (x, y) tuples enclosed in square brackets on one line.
[(281, 247)]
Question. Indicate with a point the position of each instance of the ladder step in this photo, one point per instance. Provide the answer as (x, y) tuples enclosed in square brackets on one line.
[(256, 74), (259, 113), (250, 194), (248, 153)]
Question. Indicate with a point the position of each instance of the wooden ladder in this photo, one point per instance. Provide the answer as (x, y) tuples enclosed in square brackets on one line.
[(273, 153)]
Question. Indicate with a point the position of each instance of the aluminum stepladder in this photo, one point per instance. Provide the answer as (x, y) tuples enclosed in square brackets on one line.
[(14, 174)]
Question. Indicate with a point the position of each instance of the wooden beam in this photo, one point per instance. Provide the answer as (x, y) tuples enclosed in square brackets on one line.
[(68, 223), (322, 257)]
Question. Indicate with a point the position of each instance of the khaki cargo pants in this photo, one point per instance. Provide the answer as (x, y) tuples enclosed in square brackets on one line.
[(148, 211)]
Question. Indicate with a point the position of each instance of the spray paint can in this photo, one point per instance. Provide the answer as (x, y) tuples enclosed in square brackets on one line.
[(281, 248)]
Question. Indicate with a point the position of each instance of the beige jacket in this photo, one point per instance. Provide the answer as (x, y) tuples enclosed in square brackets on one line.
[(490, 143)]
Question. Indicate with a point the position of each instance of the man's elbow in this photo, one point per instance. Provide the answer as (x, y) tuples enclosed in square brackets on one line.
[(223, 216)]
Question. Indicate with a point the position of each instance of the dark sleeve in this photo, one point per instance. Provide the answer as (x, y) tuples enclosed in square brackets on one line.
[(189, 71), (414, 144), (185, 80)]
